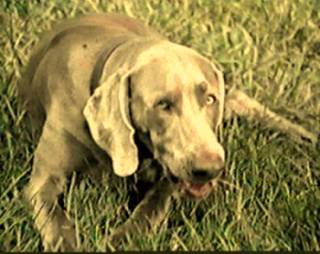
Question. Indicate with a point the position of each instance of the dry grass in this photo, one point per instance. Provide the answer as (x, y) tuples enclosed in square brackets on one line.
[(271, 196)]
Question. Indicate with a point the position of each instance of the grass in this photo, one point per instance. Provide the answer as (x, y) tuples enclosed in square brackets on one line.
[(271, 196)]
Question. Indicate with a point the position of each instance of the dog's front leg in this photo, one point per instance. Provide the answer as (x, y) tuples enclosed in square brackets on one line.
[(238, 103), (56, 156), (148, 214), (56, 230)]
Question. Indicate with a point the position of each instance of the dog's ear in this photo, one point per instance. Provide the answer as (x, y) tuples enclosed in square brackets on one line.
[(107, 114)]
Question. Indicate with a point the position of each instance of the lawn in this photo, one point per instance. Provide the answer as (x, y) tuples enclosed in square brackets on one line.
[(270, 196)]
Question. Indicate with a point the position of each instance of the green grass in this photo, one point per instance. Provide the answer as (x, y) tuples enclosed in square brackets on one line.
[(271, 196)]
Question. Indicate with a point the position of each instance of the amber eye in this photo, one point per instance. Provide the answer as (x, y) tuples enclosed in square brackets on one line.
[(211, 99), (164, 105)]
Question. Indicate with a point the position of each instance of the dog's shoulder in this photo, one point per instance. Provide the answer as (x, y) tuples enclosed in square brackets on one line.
[(81, 40)]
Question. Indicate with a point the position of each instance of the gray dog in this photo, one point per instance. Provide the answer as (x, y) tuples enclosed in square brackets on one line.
[(99, 87)]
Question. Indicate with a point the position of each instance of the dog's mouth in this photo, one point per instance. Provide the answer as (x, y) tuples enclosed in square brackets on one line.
[(198, 190), (195, 190)]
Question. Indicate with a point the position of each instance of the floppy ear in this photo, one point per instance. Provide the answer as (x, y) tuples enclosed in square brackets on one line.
[(107, 114)]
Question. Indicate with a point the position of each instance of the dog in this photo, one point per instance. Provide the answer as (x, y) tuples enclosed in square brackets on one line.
[(109, 91)]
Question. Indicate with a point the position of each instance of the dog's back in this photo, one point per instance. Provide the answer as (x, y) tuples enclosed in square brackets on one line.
[(80, 39)]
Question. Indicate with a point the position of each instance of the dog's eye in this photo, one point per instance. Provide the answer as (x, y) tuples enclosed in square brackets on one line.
[(211, 99), (164, 105)]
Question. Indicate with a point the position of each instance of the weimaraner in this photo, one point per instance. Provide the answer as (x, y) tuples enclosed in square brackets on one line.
[(101, 90)]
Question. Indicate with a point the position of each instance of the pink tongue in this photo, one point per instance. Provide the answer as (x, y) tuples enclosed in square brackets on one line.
[(197, 186)]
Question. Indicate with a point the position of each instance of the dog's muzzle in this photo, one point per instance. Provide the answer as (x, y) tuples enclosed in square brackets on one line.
[(200, 188)]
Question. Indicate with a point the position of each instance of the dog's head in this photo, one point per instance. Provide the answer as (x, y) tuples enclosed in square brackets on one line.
[(173, 97)]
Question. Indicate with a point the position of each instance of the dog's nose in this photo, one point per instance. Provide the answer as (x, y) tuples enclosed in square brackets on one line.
[(207, 166), (207, 159), (204, 175)]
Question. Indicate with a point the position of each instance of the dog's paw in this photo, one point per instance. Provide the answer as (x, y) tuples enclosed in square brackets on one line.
[(63, 244), (60, 237), (119, 236), (123, 234)]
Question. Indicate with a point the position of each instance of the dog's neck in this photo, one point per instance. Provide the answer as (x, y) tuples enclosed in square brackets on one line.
[(102, 59), (144, 145)]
